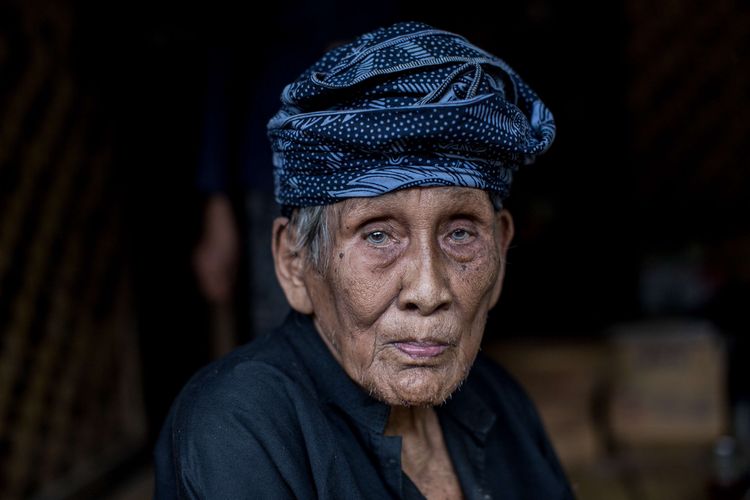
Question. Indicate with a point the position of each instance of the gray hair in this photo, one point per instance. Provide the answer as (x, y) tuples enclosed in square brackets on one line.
[(311, 231)]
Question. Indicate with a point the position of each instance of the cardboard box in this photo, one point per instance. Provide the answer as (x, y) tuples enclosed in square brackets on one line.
[(561, 378), (668, 383)]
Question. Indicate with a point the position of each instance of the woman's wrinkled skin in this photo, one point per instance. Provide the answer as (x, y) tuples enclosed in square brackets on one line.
[(403, 301)]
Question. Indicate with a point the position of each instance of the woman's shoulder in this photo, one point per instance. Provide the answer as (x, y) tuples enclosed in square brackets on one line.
[(262, 374), (236, 420)]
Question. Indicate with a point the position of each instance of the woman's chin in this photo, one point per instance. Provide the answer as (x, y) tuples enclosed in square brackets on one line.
[(416, 389)]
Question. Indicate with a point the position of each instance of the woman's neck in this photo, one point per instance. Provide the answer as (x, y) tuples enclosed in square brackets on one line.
[(424, 456), (412, 421)]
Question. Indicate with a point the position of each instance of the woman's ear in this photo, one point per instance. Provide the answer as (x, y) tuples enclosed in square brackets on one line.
[(504, 230), (290, 267)]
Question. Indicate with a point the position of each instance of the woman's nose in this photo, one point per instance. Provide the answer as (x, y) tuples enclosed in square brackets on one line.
[(425, 283)]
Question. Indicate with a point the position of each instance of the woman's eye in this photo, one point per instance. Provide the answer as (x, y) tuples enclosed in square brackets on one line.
[(377, 237), (459, 235)]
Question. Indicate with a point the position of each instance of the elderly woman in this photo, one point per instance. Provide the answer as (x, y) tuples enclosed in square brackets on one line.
[(393, 155)]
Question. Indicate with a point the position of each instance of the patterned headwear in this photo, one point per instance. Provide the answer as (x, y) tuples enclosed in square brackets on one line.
[(404, 106)]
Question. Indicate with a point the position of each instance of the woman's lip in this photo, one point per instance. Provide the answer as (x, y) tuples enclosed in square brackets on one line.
[(421, 349)]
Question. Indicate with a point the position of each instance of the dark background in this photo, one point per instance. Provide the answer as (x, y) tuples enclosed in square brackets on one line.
[(643, 196)]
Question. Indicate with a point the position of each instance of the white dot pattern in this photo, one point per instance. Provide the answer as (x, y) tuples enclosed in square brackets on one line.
[(404, 106)]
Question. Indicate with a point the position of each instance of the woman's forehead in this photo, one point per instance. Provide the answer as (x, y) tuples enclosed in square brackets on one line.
[(445, 197)]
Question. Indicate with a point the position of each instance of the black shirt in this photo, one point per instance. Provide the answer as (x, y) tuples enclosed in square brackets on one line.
[(279, 418)]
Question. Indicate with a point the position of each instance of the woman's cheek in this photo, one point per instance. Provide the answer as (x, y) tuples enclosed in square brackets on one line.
[(365, 289), (477, 276)]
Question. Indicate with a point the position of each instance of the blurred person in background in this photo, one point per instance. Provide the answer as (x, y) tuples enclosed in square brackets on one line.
[(232, 259)]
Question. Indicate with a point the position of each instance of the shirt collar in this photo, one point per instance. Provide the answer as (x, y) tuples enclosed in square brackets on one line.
[(331, 382), (469, 410)]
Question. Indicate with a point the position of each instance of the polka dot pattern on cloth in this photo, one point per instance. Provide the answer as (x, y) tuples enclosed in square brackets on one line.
[(403, 106)]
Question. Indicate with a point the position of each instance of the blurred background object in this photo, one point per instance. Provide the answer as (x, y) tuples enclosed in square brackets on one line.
[(71, 406), (624, 310), (667, 384)]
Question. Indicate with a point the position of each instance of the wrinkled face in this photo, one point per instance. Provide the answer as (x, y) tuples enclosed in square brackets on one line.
[(404, 301)]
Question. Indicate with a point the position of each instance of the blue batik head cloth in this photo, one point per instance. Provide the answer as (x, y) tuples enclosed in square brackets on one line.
[(403, 106)]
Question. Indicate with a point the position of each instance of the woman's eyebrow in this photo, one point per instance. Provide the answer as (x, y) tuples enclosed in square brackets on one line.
[(361, 207)]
